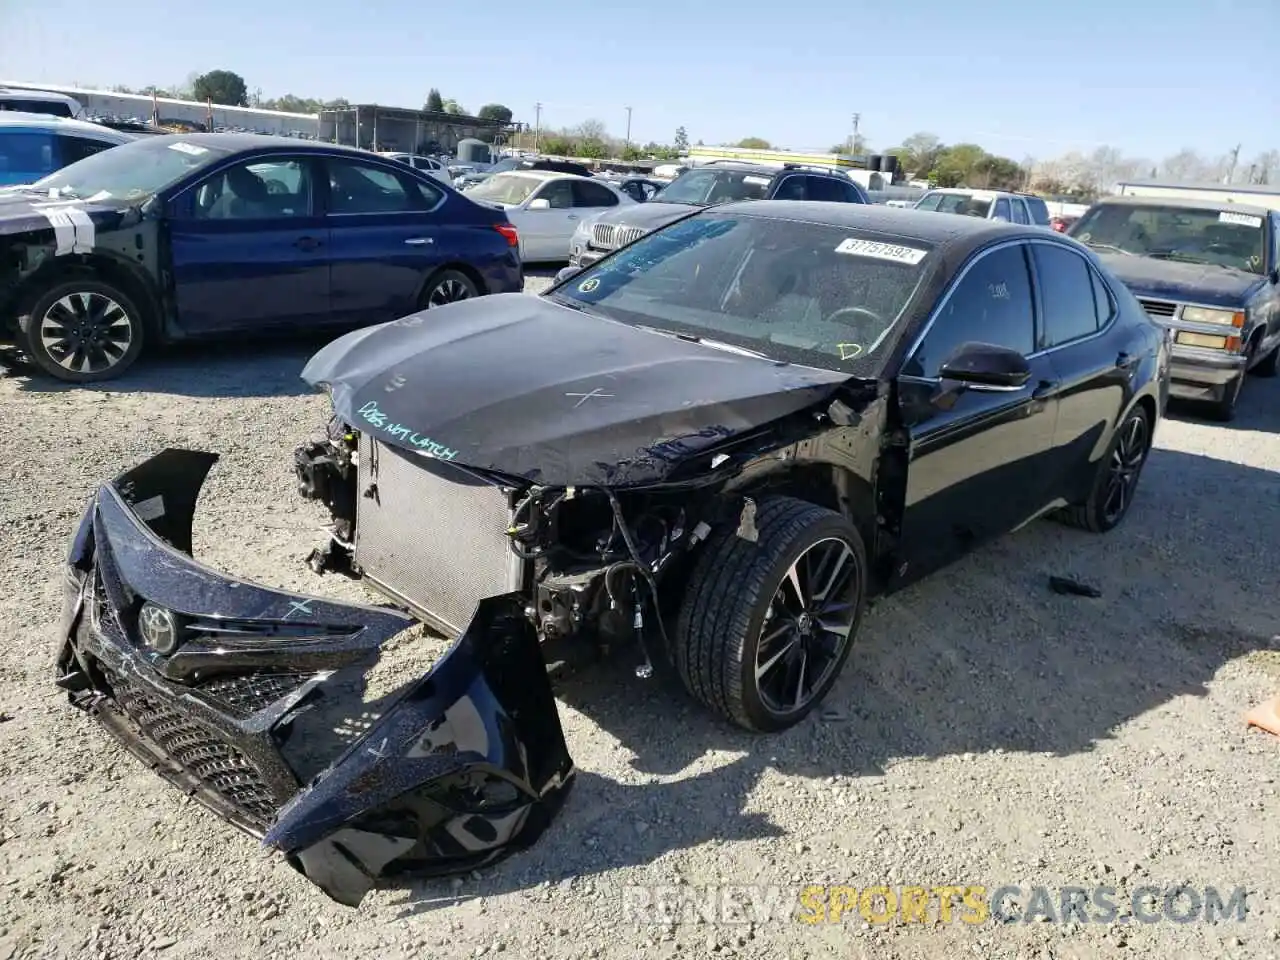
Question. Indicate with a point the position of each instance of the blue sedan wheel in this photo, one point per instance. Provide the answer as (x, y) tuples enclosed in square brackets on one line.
[(448, 286)]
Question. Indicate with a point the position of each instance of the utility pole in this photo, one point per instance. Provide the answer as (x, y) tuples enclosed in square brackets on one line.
[(537, 125), (853, 140), (628, 143)]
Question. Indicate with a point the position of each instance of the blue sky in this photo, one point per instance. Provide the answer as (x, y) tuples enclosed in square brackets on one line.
[(1020, 78)]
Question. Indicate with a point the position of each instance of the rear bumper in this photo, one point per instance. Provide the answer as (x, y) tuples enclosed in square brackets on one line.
[(1202, 374), (215, 683)]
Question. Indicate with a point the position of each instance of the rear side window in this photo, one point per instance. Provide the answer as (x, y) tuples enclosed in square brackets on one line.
[(50, 108), (1019, 212), (77, 148), (26, 156), (1067, 294), (825, 189), (791, 188), (1039, 211), (1102, 301)]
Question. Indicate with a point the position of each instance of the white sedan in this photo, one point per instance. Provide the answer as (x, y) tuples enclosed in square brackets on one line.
[(428, 165), (546, 207)]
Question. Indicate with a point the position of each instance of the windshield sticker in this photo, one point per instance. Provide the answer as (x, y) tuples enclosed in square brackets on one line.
[(408, 435), (1241, 219), (587, 286), (849, 351), (756, 181), (882, 251), (189, 148)]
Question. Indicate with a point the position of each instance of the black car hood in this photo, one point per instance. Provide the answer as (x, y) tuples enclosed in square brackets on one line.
[(1172, 280), (22, 211), (523, 386), (650, 215)]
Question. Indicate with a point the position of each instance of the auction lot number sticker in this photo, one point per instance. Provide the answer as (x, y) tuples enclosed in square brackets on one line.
[(882, 251)]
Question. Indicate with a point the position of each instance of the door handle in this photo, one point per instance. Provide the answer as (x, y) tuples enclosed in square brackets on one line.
[(306, 243), (573, 216), (1043, 389), (419, 241), (1126, 361)]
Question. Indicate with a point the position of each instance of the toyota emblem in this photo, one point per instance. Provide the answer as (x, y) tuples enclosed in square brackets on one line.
[(159, 628)]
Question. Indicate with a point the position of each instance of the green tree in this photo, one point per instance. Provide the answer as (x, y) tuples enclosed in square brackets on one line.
[(557, 146), (495, 111), (754, 143), (593, 148), (434, 102), (222, 87), (681, 142), (454, 107)]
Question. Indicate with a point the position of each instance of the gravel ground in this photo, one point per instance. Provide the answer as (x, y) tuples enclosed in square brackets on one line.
[(987, 732)]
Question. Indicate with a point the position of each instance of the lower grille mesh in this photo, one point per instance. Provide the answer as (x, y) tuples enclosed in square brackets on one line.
[(248, 695), (198, 750)]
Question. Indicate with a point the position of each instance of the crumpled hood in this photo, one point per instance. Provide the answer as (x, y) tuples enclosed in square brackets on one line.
[(526, 387), (23, 212), (1171, 280), (650, 215)]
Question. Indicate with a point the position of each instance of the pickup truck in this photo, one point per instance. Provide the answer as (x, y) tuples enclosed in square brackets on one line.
[(1209, 271)]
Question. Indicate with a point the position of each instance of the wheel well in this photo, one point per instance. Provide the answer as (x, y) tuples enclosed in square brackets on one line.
[(827, 486), (99, 268)]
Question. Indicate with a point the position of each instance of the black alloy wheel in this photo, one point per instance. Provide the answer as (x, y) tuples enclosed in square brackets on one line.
[(448, 286), (1127, 458), (1116, 480), (808, 626), (766, 624), (82, 331)]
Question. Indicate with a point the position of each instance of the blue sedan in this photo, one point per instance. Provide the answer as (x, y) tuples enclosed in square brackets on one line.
[(219, 235)]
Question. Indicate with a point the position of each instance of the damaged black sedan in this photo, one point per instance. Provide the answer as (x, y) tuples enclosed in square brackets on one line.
[(710, 448)]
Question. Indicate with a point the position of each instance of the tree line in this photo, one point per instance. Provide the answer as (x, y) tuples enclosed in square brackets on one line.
[(922, 156)]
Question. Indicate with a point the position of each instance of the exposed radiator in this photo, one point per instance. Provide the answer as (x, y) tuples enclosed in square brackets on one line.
[(432, 534)]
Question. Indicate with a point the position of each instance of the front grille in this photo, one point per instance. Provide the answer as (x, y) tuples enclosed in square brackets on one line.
[(247, 695), (1161, 309), (624, 235), (602, 235), (432, 534), (198, 749)]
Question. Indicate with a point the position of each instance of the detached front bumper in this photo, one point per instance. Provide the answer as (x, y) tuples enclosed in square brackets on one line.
[(1202, 374), (212, 682)]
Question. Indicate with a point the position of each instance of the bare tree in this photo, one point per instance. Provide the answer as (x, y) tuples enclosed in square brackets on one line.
[(591, 130), (1265, 167), (1185, 166)]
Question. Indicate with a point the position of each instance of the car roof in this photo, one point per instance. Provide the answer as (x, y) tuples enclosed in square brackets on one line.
[(966, 192), (737, 166), (905, 223), (17, 118), (1188, 203), (546, 175), (234, 142)]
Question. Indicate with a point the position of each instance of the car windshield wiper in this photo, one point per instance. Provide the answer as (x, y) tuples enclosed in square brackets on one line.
[(1181, 257), (1095, 245), (714, 344)]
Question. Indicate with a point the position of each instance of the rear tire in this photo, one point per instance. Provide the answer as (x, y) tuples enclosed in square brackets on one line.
[(756, 625), (1126, 456), (445, 287), (82, 330)]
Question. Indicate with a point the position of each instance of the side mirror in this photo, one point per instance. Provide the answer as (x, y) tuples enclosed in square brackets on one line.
[(1275, 275), (566, 273), (984, 366), (539, 204)]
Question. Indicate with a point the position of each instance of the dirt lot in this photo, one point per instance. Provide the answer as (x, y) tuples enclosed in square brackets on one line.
[(988, 731)]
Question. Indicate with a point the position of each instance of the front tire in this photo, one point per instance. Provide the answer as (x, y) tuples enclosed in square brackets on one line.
[(766, 626), (1269, 365), (1112, 492), (82, 331)]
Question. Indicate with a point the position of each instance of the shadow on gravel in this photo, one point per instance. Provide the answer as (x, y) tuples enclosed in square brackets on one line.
[(1258, 408), (980, 657), (270, 367)]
